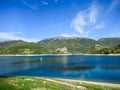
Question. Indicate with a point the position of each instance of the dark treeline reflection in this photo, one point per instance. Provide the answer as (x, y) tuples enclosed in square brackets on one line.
[(111, 67), (73, 68)]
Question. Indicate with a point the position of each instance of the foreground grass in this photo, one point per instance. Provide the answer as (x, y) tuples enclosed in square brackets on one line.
[(40, 83)]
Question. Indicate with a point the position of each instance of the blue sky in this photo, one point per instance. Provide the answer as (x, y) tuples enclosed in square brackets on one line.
[(34, 20)]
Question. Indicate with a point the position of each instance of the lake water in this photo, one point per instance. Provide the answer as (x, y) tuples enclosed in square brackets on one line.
[(80, 67)]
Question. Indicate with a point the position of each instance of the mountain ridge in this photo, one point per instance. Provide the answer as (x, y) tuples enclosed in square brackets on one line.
[(61, 45), (65, 37)]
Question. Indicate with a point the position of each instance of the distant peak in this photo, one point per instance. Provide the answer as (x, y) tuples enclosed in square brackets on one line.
[(108, 38), (12, 41), (65, 37)]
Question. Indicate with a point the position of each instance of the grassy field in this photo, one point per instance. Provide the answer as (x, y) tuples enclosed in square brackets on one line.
[(41, 83)]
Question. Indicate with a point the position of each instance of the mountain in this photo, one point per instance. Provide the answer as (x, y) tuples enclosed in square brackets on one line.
[(62, 45), (105, 46), (95, 49), (109, 41), (110, 50), (4, 44), (24, 48), (72, 44)]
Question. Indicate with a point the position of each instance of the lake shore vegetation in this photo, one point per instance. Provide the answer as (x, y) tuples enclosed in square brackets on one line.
[(44, 83)]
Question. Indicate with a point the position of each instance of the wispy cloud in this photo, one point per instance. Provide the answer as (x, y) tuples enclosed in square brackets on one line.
[(12, 36), (44, 2), (79, 22), (100, 26), (113, 4), (18, 32), (35, 4), (93, 13), (85, 21), (28, 4)]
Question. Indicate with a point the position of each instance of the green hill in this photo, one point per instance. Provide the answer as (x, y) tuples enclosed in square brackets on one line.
[(62, 45), (99, 49), (95, 49), (109, 41), (4, 44), (73, 44), (24, 48), (105, 46), (111, 50)]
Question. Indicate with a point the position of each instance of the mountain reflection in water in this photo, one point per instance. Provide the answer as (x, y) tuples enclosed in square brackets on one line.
[(83, 67)]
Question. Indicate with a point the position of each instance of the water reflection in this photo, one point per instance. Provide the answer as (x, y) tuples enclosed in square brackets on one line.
[(42, 60), (73, 68), (110, 67), (64, 60)]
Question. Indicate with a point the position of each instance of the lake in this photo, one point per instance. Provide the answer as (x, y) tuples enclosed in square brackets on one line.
[(80, 67)]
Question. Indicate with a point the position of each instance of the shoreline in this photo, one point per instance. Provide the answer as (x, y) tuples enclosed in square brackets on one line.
[(92, 82), (63, 55)]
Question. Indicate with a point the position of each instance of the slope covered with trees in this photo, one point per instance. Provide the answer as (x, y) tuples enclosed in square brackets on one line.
[(109, 41), (4, 44), (111, 50), (74, 45), (62, 45), (24, 48)]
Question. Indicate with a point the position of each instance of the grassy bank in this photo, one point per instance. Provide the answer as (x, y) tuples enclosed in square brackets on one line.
[(40, 83)]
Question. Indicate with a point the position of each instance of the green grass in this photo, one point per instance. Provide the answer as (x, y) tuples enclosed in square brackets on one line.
[(29, 83), (4, 85), (40, 83), (97, 87)]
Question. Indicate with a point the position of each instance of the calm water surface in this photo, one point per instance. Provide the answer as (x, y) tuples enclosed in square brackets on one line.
[(80, 67)]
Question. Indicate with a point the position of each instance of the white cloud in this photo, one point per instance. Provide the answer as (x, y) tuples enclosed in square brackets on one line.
[(113, 5), (93, 13), (100, 26), (35, 4), (79, 22), (12, 36), (18, 32), (28, 4), (88, 32), (70, 35), (85, 21), (44, 2)]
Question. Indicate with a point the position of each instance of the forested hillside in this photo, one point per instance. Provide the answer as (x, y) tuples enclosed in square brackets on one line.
[(62, 45)]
